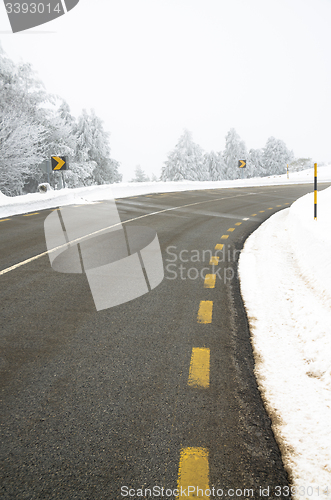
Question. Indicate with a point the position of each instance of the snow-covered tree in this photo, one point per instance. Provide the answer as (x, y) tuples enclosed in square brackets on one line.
[(276, 156), (92, 145), (215, 166), (300, 164), (22, 146), (139, 175), (255, 163), (92, 142), (235, 150), (186, 161), (22, 131), (32, 131)]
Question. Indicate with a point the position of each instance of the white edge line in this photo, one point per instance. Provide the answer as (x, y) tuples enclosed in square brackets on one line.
[(15, 266)]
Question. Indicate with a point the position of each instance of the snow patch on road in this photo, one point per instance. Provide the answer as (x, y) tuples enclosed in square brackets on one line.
[(285, 276)]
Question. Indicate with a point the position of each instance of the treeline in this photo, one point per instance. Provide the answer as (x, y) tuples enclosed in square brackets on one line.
[(35, 125), (189, 161)]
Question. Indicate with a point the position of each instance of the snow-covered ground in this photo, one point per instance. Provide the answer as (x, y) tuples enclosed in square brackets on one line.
[(285, 274), (38, 201)]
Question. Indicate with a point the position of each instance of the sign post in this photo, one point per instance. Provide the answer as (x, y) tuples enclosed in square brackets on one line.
[(315, 191), (46, 167), (60, 163), (242, 164)]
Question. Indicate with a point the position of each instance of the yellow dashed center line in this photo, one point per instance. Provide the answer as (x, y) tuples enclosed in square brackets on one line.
[(270, 208), (253, 215), (205, 311), (278, 205), (219, 246), (199, 367), (224, 236), (28, 215), (210, 280), (231, 229), (261, 211), (2, 220), (193, 473), (214, 260), (237, 223)]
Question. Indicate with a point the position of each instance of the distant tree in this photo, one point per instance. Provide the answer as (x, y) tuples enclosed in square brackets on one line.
[(276, 156), (215, 166), (186, 161), (154, 178), (300, 164), (139, 175), (235, 150), (255, 161), (92, 145), (107, 172)]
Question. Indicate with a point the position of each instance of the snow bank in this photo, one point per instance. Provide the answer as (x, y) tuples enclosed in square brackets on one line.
[(38, 201), (311, 240), (285, 280)]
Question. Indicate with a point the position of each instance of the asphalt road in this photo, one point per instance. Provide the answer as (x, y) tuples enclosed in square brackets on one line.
[(96, 401)]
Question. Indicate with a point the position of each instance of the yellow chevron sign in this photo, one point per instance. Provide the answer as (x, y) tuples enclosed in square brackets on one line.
[(59, 163), (242, 163)]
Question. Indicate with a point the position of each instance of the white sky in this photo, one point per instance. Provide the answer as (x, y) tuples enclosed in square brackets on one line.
[(151, 68)]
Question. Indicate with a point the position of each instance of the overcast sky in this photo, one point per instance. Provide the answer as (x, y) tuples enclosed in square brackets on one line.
[(151, 68)]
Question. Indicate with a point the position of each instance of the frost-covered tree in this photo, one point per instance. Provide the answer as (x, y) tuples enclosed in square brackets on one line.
[(300, 164), (186, 161), (255, 163), (215, 166), (32, 131), (139, 175), (276, 156), (235, 150), (92, 142), (22, 146), (92, 145), (22, 131)]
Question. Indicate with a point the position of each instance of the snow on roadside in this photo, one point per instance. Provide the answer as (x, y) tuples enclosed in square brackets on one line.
[(51, 199), (285, 276)]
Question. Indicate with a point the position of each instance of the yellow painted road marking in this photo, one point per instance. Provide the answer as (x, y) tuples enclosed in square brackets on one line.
[(193, 473), (224, 236), (261, 211), (214, 260), (219, 246), (205, 311), (3, 220), (278, 205), (237, 223), (35, 257), (199, 367), (253, 215), (231, 229), (27, 215), (270, 208), (286, 203), (210, 280)]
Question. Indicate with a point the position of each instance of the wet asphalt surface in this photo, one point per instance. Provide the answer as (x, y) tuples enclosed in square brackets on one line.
[(94, 401)]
